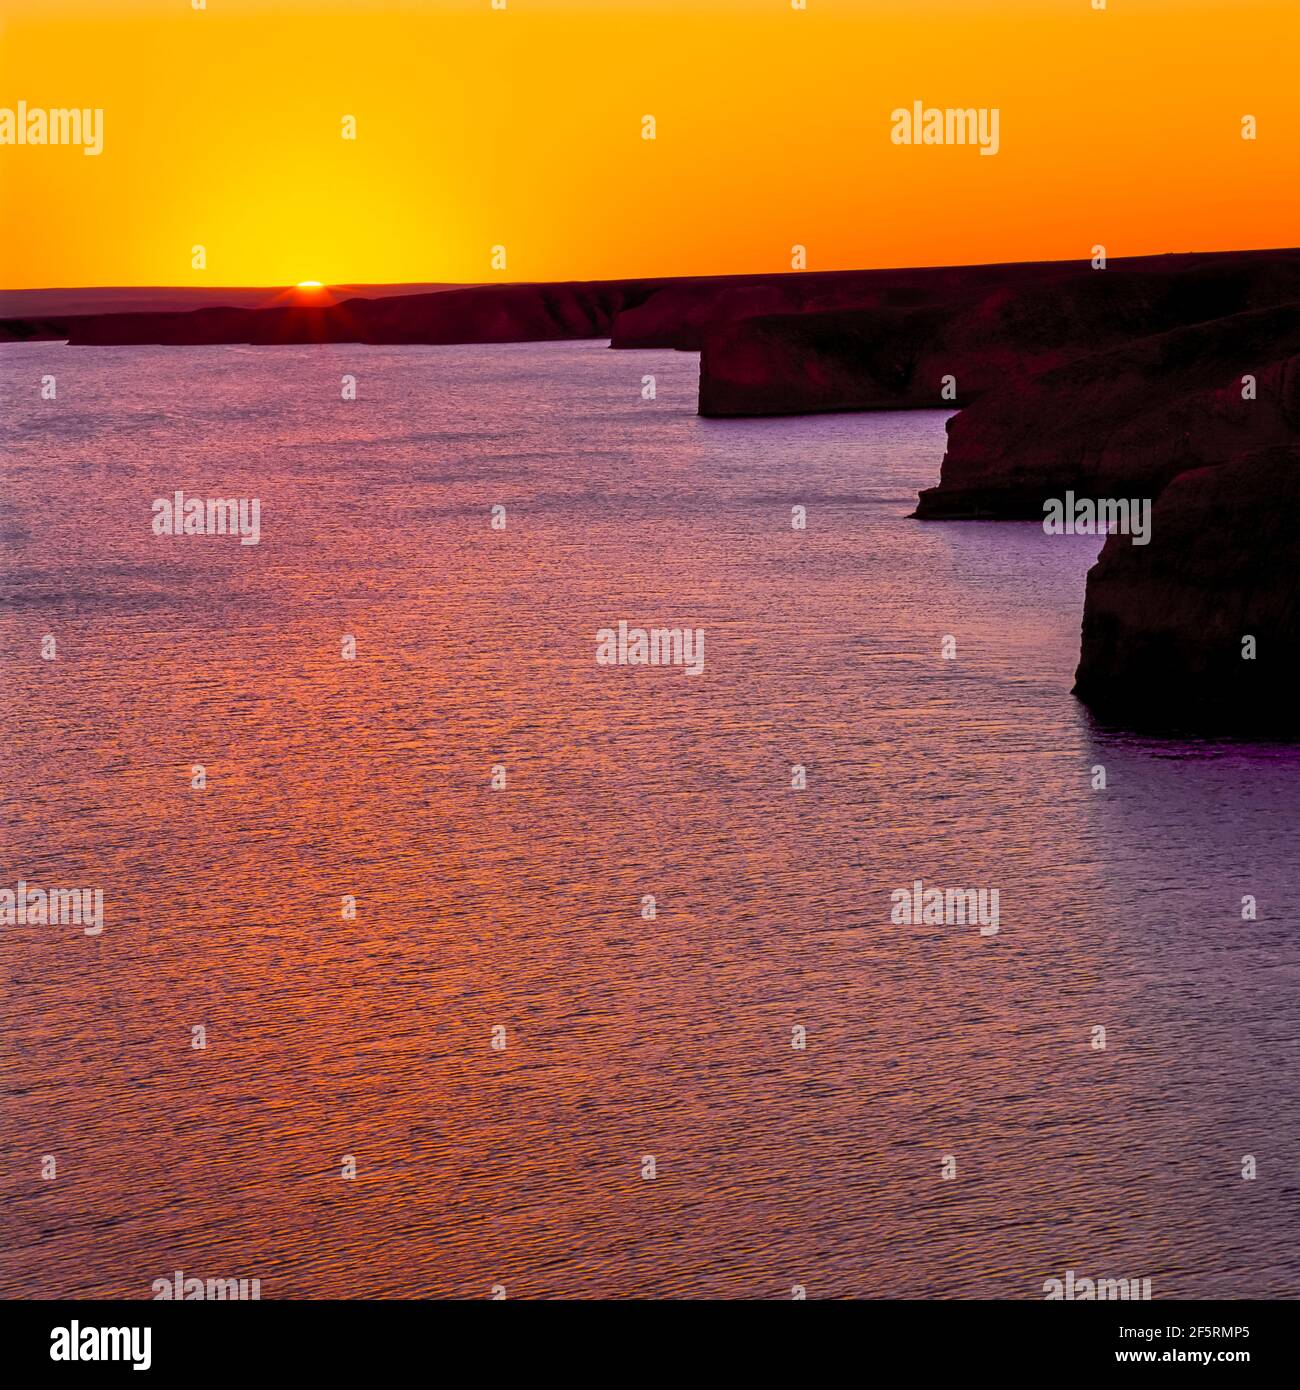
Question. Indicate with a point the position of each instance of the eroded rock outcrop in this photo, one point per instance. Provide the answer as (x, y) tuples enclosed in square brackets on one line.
[(799, 364), (1199, 630), (1124, 422), (950, 348)]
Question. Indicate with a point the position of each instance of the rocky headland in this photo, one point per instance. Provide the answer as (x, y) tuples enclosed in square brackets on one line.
[(1125, 421), (954, 351), (1199, 631)]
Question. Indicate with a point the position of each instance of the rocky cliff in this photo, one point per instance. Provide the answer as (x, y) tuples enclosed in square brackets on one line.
[(1124, 422), (970, 339), (1199, 630)]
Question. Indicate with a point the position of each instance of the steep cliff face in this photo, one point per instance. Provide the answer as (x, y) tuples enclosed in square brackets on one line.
[(1124, 422), (1200, 629), (889, 357), (798, 364)]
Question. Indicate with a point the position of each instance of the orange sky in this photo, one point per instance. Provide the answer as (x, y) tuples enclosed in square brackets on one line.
[(478, 127)]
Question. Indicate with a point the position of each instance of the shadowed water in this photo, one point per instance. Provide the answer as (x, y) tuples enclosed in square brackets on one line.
[(522, 908)]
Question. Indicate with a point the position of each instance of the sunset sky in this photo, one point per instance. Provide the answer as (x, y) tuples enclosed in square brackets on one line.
[(523, 128)]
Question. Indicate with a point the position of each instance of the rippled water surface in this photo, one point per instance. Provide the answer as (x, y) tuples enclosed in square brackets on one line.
[(481, 909)]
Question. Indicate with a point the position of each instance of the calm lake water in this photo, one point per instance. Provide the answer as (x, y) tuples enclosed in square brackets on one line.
[(521, 909)]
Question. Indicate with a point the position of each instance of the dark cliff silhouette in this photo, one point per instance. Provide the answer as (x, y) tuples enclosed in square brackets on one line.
[(1125, 421), (1199, 631)]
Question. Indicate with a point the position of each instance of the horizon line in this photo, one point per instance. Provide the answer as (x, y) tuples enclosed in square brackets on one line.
[(609, 279)]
